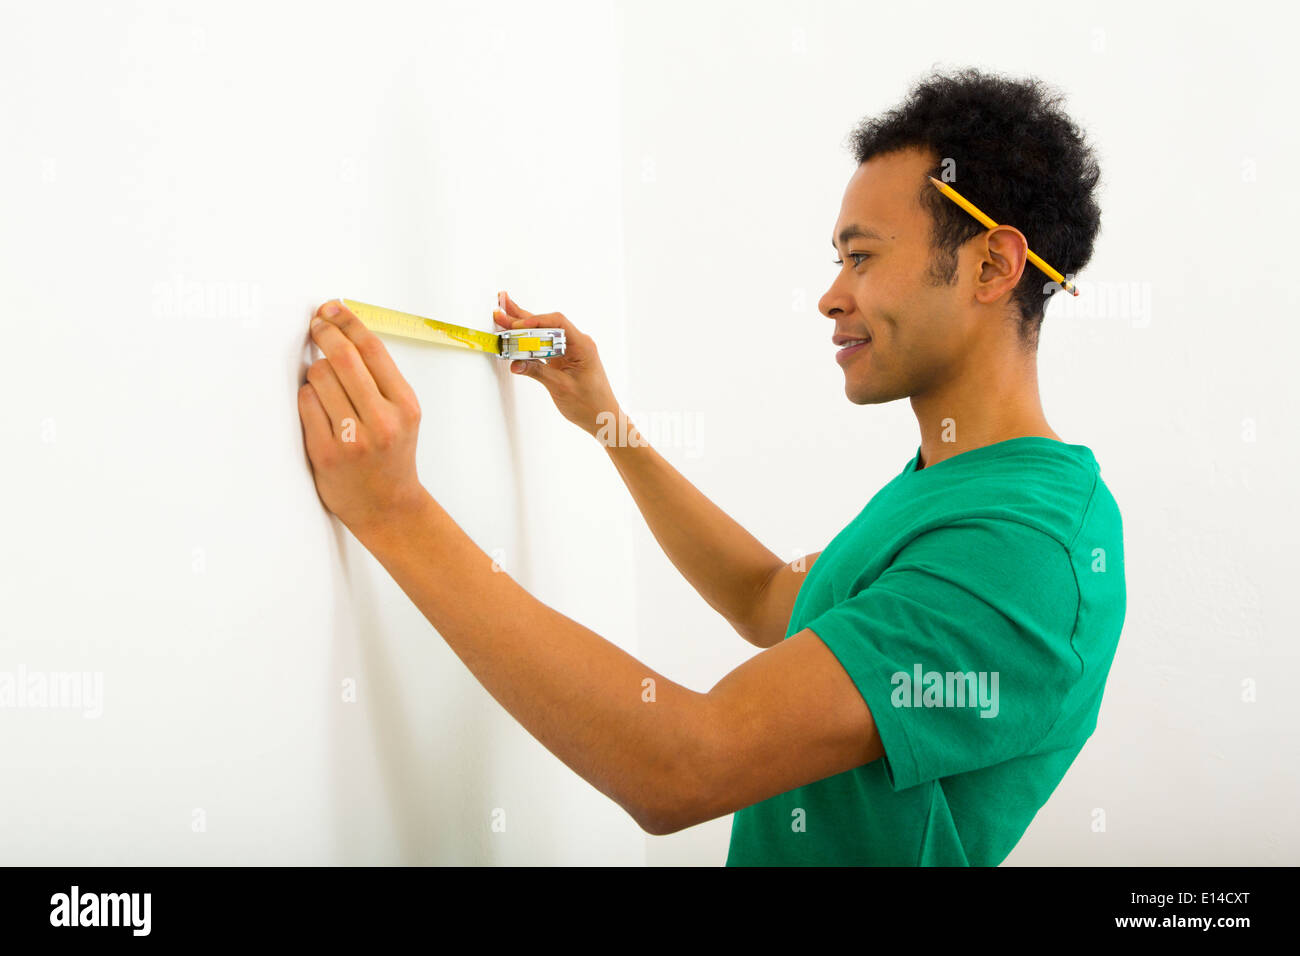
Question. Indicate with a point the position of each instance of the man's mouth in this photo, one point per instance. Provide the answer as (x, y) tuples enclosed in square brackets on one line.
[(848, 346), (851, 347)]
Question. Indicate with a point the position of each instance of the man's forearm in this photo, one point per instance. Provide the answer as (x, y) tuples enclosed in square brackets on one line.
[(585, 699), (723, 562)]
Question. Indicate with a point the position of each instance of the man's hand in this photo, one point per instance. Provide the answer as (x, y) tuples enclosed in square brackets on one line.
[(576, 379), (360, 420)]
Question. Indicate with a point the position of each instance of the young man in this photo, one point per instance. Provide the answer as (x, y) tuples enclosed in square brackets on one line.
[(929, 676)]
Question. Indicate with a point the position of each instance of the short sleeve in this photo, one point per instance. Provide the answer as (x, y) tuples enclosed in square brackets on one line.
[(962, 647)]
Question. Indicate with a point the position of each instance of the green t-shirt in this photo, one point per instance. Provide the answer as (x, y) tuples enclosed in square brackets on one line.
[(976, 604)]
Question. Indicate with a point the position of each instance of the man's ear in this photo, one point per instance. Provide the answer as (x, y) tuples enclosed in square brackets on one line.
[(1002, 262)]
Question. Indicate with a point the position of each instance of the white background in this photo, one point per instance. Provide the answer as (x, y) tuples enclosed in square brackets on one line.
[(180, 186)]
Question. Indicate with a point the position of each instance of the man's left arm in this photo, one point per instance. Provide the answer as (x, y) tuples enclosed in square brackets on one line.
[(628, 731), (673, 758)]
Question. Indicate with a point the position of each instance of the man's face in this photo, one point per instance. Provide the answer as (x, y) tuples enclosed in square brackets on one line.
[(918, 329)]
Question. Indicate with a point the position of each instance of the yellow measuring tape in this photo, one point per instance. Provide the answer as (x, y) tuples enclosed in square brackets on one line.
[(508, 344)]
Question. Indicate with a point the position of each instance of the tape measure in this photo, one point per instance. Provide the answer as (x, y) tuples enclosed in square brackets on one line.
[(510, 344)]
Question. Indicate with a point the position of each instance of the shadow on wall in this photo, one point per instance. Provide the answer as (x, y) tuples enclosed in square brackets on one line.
[(432, 818)]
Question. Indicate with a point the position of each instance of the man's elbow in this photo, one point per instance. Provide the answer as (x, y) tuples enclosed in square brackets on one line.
[(654, 826), (664, 819), (680, 801)]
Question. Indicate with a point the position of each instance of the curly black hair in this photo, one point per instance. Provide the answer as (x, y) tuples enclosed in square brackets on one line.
[(1016, 155)]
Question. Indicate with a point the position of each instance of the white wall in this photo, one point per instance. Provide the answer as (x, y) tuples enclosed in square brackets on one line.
[(179, 189)]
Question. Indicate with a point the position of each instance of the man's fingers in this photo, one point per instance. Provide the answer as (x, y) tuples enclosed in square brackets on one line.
[(332, 396), (507, 322), (508, 306), (383, 370), (346, 361), (550, 320), (315, 420), (517, 318), (533, 368)]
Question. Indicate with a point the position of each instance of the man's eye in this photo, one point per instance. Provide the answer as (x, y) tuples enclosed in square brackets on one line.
[(856, 256)]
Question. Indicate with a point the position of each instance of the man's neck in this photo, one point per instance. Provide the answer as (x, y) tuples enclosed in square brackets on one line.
[(981, 407)]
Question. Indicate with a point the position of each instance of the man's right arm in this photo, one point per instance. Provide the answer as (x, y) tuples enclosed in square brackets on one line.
[(775, 601), (735, 574)]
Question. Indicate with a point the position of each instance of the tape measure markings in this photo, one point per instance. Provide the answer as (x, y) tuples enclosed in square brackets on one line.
[(510, 344)]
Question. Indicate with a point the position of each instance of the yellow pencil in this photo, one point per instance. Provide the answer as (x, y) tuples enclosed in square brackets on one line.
[(970, 207)]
